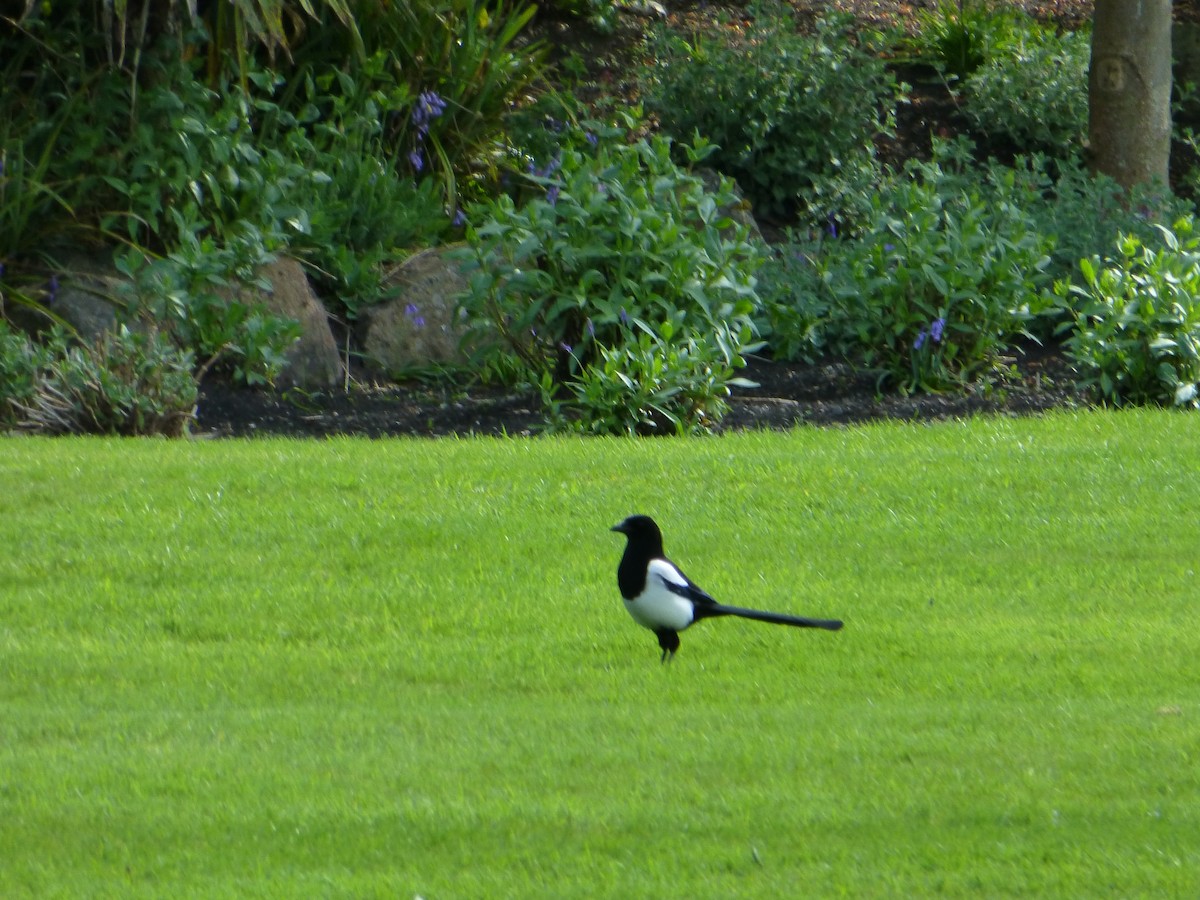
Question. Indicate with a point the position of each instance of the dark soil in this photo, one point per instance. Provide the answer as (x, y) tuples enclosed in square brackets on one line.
[(789, 394), (828, 393)]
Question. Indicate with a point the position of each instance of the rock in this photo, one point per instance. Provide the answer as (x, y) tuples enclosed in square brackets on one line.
[(313, 362), (421, 325), (86, 294)]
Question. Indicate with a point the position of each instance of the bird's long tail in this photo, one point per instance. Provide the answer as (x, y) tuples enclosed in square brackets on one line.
[(720, 609)]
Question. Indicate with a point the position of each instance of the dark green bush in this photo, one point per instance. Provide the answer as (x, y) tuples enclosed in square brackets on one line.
[(944, 275), (794, 117), (1034, 94), (621, 279)]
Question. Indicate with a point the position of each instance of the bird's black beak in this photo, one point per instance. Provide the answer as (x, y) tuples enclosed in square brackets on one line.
[(620, 526)]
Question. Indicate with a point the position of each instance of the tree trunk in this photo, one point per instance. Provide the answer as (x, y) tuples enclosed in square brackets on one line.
[(1129, 90)]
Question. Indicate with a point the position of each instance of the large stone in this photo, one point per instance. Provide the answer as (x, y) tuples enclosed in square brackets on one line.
[(421, 325), (87, 293), (313, 362)]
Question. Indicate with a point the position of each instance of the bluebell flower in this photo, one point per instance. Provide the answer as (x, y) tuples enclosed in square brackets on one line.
[(591, 328), (936, 329), (552, 194), (417, 160), (414, 315), (623, 316), (920, 341), (566, 347), (459, 219), (592, 139), (429, 107)]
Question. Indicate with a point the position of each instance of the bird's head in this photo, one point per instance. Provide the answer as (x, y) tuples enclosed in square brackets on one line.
[(640, 529)]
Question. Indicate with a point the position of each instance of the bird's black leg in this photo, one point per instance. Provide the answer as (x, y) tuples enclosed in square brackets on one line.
[(669, 641)]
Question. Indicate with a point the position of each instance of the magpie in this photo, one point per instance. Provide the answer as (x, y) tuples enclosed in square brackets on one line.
[(660, 597)]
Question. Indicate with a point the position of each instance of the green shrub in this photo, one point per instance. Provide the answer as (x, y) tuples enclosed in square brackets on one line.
[(358, 210), (622, 254), (124, 383), (653, 384), (1134, 328), (956, 37), (1086, 212), (793, 116), (20, 362), (794, 310), (941, 279), (189, 294), (1035, 93)]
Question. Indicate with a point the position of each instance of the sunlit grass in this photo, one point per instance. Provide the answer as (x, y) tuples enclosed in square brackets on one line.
[(394, 668)]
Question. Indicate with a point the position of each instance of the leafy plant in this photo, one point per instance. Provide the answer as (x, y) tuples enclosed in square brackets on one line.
[(190, 295), (621, 252), (360, 210), (956, 37), (126, 383), (1134, 327), (793, 116), (944, 275), (1035, 93), (1085, 212), (794, 310), (648, 385)]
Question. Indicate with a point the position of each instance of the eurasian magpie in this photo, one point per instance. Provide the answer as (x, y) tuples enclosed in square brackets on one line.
[(660, 597)]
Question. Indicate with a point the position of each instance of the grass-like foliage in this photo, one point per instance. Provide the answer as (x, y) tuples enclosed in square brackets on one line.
[(621, 288), (1134, 327), (127, 383), (793, 116), (402, 668)]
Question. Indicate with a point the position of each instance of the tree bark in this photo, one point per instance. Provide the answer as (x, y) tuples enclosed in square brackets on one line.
[(1129, 90)]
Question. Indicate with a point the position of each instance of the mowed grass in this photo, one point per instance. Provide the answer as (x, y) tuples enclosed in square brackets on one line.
[(402, 668)]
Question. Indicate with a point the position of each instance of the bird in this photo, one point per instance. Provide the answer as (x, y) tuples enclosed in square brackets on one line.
[(661, 598)]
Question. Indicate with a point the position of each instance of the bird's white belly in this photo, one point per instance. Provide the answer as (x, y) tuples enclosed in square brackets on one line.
[(659, 608)]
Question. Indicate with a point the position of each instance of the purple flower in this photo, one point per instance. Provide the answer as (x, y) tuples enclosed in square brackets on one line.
[(623, 316), (429, 106), (920, 341), (414, 315), (936, 329), (417, 160), (833, 231), (565, 347), (52, 289), (592, 139), (591, 328), (459, 219), (888, 248), (552, 194)]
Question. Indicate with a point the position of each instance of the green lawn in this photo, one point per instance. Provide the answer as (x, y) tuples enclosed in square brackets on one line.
[(399, 668)]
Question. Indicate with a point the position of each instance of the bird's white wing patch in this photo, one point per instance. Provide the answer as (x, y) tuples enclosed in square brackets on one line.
[(660, 568), (657, 606)]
